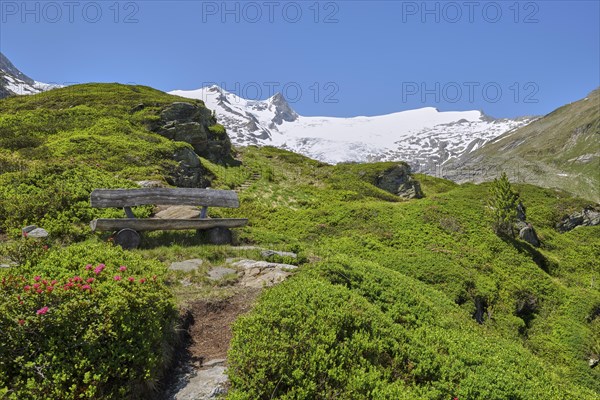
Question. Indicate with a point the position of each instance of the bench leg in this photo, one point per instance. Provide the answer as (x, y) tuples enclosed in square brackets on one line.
[(219, 236), (127, 239)]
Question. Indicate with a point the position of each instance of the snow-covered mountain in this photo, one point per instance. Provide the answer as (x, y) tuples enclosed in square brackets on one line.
[(13, 81), (423, 137)]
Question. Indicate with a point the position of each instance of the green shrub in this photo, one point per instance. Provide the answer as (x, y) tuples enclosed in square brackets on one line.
[(86, 322), (353, 330), (55, 197)]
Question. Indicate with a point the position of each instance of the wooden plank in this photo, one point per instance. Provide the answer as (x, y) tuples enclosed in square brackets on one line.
[(104, 198), (152, 224)]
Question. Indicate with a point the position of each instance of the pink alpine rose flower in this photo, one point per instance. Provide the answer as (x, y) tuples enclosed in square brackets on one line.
[(117, 277), (42, 311)]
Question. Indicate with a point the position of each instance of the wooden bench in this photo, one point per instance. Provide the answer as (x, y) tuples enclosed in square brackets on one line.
[(127, 229)]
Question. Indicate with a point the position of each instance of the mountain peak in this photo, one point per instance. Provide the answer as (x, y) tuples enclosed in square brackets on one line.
[(281, 108), (277, 98), (8, 68), (13, 81)]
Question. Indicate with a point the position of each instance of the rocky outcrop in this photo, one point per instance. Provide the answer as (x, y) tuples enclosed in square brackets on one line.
[(589, 216), (399, 181), (195, 125), (189, 172), (282, 110)]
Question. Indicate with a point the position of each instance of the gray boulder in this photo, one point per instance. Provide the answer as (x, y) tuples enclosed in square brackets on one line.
[(33, 231), (589, 216), (399, 181), (529, 235)]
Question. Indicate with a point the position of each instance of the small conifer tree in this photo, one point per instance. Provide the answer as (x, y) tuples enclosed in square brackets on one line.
[(502, 204)]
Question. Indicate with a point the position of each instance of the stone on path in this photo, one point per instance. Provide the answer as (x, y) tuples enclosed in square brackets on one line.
[(187, 265), (258, 274), (209, 382)]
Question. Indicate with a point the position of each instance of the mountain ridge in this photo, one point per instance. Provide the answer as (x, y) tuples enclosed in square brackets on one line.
[(559, 150), (15, 82), (424, 137)]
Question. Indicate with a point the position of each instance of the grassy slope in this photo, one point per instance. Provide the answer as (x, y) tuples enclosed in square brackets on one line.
[(539, 152), (55, 147), (383, 309), (427, 260)]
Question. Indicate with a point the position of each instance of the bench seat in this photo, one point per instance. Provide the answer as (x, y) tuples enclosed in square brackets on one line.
[(157, 224)]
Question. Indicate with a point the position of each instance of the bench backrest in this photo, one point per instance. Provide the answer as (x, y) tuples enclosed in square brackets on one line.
[(105, 198)]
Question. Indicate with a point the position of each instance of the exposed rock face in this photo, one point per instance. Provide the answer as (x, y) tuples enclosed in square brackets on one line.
[(283, 111), (588, 217), (14, 82), (398, 180), (193, 124), (189, 172), (529, 235)]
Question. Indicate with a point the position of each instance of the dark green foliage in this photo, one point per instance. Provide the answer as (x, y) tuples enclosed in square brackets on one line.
[(502, 203)]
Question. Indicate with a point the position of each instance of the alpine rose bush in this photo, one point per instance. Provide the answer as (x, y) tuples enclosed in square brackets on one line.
[(72, 330)]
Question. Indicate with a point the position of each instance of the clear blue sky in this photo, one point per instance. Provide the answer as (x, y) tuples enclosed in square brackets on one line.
[(348, 58)]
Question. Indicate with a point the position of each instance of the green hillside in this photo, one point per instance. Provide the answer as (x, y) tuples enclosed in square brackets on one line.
[(382, 306), (560, 150)]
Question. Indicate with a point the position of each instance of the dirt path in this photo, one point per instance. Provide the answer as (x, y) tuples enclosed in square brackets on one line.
[(200, 373), (211, 330)]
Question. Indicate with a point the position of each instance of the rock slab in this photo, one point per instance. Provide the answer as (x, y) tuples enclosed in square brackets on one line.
[(179, 212), (219, 273), (207, 383), (187, 265), (259, 274)]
